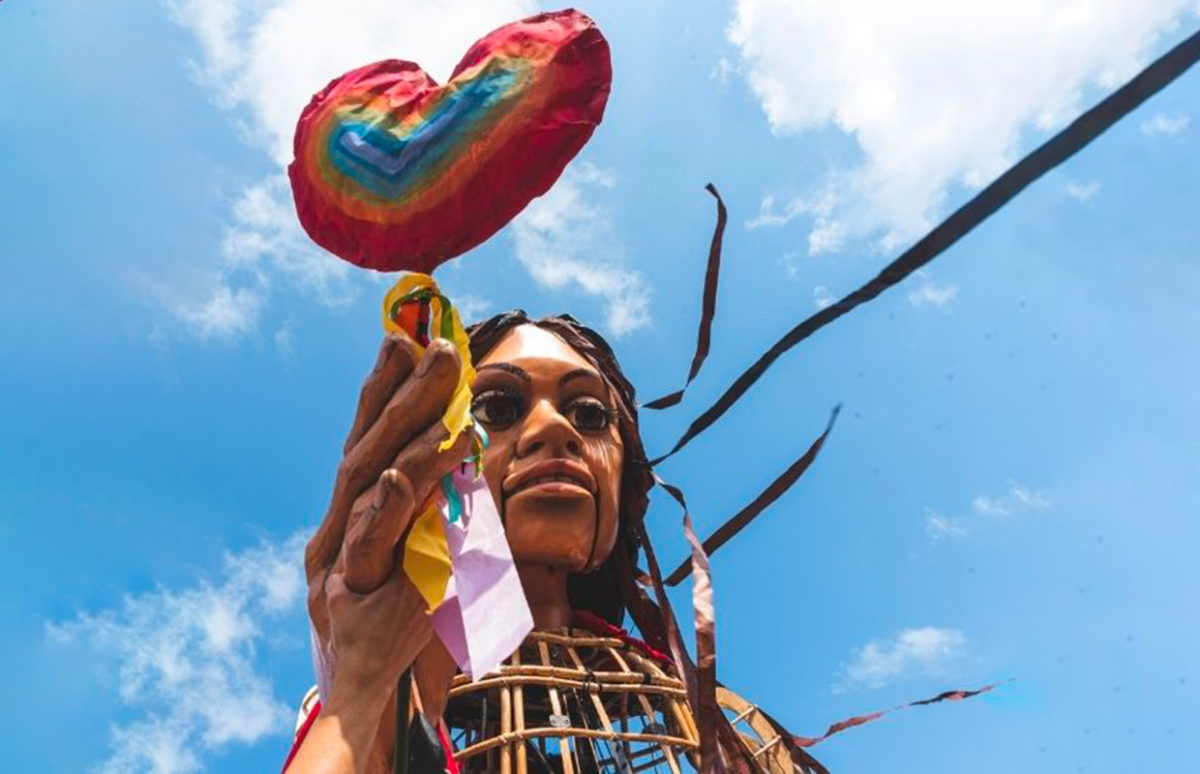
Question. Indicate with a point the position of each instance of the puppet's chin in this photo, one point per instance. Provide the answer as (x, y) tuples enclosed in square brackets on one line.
[(555, 531)]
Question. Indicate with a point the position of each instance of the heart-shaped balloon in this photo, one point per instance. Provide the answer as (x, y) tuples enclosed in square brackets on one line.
[(393, 172)]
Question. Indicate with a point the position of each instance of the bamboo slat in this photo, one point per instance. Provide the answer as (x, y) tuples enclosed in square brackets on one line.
[(586, 703)]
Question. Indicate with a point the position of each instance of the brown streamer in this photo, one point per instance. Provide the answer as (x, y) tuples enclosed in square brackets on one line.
[(683, 662), (708, 307), (769, 495), (706, 651), (720, 748), (861, 720), (1037, 163)]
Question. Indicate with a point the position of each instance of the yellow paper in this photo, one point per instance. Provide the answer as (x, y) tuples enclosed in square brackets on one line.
[(458, 412), (427, 557)]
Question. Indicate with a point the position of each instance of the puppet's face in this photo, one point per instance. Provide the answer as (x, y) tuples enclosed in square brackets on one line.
[(554, 463)]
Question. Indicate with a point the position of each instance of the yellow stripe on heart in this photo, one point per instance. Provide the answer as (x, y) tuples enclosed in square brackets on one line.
[(427, 557)]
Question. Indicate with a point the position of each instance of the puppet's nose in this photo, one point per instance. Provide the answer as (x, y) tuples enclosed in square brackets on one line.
[(548, 432)]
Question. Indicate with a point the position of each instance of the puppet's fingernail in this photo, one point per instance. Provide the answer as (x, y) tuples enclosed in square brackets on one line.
[(434, 353), (385, 350)]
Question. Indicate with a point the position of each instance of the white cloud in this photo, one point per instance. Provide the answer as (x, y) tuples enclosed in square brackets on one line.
[(989, 506), (586, 172), (791, 263), (986, 509), (285, 343), (936, 93), (927, 651), (472, 308), (723, 71), (932, 294), (1029, 498), (821, 297), (566, 238), (771, 215), (270, 56), (264, 244), (223, 314), (266, 239), (263, 60), (941, 527), (1083, 192), (187, 661), (1165, 123)]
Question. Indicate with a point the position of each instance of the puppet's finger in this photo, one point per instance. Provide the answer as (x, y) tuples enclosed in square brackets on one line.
[(423, 465), (398, 355), (376, 523), (434, 669), (418, 403), (397, 358), (318, 612)]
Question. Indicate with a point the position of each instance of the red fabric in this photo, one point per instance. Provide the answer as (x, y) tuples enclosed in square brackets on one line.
[(589, 620), (451, 764), (303, 732), (447, 748)]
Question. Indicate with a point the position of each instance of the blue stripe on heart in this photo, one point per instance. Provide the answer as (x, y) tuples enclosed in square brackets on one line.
[(371, 154)]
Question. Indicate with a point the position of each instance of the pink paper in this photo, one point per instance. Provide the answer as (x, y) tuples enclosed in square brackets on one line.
[(447, 622), (485, 616)]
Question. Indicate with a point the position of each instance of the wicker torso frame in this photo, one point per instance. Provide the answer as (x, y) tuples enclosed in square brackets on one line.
[(572, 702)]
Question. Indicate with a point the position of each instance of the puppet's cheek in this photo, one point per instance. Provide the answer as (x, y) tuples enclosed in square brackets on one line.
[(608, 516), (606, 460)]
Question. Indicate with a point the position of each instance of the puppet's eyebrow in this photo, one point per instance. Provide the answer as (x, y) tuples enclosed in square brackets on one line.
[(579, 373), (508, 368)]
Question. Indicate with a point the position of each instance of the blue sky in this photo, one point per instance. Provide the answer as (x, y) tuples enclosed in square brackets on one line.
[(1012, 489)]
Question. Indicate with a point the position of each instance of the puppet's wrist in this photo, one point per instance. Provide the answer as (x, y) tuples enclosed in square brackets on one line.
[(352, 699)]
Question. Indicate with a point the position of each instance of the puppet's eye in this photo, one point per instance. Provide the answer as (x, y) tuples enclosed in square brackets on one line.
[(496, 408), (589, 414)]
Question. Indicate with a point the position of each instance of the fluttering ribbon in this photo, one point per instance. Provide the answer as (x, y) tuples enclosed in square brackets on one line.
[(456, 554), (417, 307), (861, 720), (765, 498), (1048, 156), (962, 221), (708, 307)]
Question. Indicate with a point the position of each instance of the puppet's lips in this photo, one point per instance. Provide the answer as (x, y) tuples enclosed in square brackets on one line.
[(553, 484), (552, 477)]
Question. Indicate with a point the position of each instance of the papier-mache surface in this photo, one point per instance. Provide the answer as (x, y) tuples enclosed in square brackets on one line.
[(396, 173)]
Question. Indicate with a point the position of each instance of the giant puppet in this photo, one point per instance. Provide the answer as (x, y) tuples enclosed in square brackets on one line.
[(495, 481), (485, 538)]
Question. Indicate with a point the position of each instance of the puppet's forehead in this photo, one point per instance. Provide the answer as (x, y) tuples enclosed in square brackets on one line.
[(531, 343)]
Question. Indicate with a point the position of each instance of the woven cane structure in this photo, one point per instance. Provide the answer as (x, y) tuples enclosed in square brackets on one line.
[(572, 702)]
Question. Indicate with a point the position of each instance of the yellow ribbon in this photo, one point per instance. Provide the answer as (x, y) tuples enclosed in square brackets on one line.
[(427, 557), (458, 413), (426, 554)]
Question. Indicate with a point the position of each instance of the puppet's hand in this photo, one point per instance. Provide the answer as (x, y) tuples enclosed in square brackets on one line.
[(391, 466), (376, 636)]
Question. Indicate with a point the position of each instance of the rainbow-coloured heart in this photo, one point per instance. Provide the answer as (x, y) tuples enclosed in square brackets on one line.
[(393, 172)]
